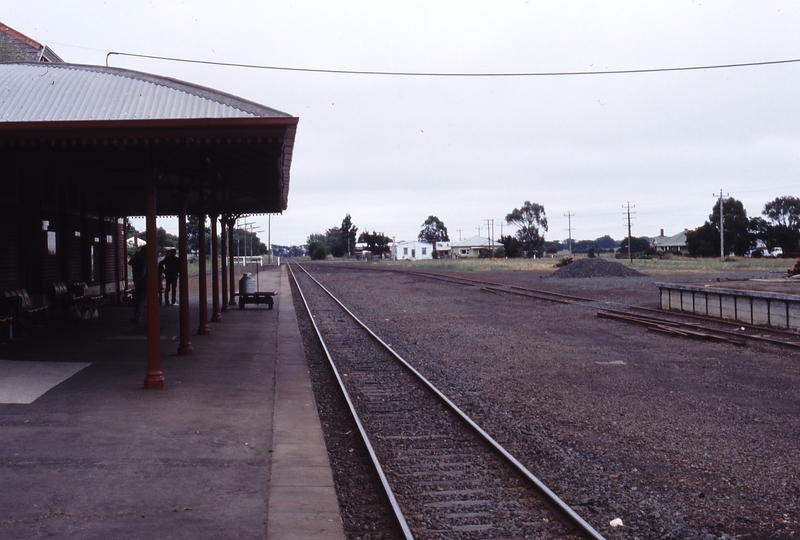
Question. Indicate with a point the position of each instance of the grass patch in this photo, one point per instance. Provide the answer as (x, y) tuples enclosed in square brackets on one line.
[(691, 265), (482, 265), (652, 267)]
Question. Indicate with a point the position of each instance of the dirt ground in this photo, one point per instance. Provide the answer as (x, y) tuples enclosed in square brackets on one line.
[(678, 438)]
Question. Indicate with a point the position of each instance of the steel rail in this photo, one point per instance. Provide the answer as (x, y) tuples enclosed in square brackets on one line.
[(667, 326), (571, 299), (732, 334), (396, 510), (726, 322), (552, 498), (501, 287)]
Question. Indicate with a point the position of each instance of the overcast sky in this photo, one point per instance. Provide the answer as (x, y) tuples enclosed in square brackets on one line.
[(392, 150)]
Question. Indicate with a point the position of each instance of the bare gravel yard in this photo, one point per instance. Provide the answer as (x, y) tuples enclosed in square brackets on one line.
[(679, 439)]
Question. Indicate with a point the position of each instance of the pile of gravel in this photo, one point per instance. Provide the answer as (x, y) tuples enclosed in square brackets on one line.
[(595, 268)]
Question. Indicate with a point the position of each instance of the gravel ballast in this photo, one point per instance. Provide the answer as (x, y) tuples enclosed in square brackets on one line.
[(678, 439)]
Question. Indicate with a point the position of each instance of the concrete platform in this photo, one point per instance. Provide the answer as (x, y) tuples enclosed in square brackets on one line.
[(756, 307), (232, 448)]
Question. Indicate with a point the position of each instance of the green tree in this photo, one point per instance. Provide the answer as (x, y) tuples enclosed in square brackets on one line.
[(761, 229), (317, 246), (529, 218), (433, 230), (512, 247), (377, 243), (193, 233), (315, 237), (606, 243), (735, 224), (638, 245), (348, 233), (784, 229), (247, 242), (165, 240), (317, 251), (333, 242), (784, 211), (703, 241)]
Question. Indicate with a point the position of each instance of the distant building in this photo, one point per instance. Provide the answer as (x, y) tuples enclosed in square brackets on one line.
[(673, 244), (443, 249), (660, 239), (412, 251), (17, 47), (474, 247)]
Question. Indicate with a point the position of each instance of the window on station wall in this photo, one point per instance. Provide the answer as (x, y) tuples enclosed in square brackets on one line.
[(51, 237), (424, 251), (51, 242), (405, 251), (94, 263)]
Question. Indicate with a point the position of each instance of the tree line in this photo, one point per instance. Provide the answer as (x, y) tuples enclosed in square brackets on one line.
[(340, 241), (779, 227)]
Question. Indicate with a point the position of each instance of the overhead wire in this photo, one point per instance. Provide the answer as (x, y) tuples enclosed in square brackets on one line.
[(445, 74)]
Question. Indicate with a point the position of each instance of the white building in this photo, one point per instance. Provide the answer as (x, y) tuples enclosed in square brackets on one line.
[(413, 250), (476, 246)]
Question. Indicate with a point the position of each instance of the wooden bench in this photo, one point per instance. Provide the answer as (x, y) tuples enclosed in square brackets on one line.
[(66, 299), (259, 297), (22, 307), (73, 300), (87, 301)]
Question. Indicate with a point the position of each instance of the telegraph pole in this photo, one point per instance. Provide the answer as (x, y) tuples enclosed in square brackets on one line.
[(491, 238), (721, 227), (244, 225), (490, 233), (569, 228), (630, 239)]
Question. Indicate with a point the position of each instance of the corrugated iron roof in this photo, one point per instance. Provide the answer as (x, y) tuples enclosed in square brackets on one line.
[(37, 92), (678, 240), (475, 241)]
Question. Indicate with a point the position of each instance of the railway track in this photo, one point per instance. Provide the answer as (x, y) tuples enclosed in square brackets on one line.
[(672, 323), (443, 475)]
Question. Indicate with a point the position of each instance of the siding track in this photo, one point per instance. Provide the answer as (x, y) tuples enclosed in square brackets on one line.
[(674, 323), (442, 474)]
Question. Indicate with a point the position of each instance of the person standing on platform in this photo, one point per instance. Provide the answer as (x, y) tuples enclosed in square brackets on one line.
[(138, 264), (170, 268)]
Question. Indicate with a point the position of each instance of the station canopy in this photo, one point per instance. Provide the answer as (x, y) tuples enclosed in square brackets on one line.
[(98, 131)]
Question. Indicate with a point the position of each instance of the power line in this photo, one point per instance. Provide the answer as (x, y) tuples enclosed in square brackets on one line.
[(466, 74)]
